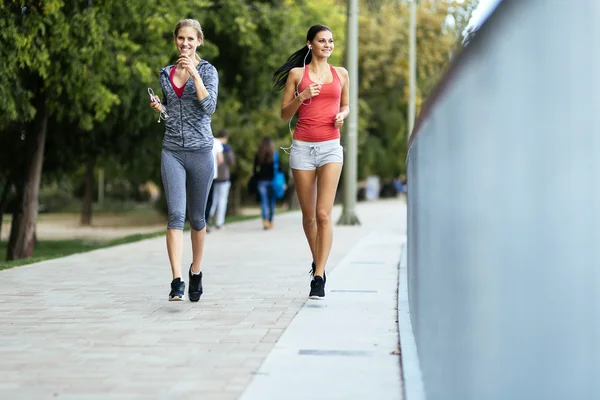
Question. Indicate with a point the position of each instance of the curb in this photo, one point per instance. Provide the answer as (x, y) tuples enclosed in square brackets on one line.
[(409, 360)]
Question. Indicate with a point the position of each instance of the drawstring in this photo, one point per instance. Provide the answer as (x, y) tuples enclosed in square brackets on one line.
[(314, 149)]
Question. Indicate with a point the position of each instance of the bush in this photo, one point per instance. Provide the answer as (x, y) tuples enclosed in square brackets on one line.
[(120, 189), (56, 196)]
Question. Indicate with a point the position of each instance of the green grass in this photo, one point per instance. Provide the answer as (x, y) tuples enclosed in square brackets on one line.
[(109, 205), (49, 249)]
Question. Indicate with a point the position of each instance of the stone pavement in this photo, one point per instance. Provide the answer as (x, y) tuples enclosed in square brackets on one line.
[(341, 348), (98, 325)]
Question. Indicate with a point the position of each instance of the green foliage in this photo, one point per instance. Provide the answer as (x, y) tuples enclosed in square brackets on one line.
[(383, 68), (56, 196), (254, 39), (90, 63)]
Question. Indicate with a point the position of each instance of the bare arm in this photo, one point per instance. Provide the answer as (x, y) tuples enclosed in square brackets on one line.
[(291, 103), (345, 100)]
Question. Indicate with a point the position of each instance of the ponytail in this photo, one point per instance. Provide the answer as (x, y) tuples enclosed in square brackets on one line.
[(298, 59)]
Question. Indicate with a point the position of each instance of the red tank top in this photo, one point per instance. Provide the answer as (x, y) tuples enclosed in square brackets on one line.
[(316, 116)]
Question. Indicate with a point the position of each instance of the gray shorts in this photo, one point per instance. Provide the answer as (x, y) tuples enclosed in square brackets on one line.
[(313, 155)]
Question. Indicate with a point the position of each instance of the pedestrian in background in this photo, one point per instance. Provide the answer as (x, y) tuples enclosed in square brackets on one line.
[(264, 173), (222, 182)]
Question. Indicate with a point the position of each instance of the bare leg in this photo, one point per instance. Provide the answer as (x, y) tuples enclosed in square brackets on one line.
[(174, 248), (197, 248), (328, 177), (306, 189)]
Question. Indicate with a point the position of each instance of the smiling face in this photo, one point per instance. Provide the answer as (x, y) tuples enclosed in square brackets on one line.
[(322, 44), (187, 40)]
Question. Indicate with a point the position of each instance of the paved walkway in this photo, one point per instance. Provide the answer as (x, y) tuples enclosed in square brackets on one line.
[(97, 325)]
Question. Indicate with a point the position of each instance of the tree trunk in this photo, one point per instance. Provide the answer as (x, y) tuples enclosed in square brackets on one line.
[(235, 199), (88, 195), (292, 198), (22, 231), (3, 199)]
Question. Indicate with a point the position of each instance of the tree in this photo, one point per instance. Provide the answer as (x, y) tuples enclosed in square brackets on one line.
[(73, 84), (64, 59)]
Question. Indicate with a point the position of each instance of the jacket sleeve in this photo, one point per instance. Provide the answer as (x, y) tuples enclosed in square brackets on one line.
[(211, 83), (162, 83)]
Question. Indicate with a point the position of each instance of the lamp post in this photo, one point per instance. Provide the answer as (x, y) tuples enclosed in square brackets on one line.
[(350, 158)]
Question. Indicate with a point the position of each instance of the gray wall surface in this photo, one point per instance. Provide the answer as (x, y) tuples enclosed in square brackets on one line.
[(504, 211)]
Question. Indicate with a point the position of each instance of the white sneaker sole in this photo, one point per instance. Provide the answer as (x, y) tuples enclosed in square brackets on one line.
[(316, 297), (175, 298)]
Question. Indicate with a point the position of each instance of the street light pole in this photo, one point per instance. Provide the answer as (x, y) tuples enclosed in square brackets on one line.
[(350, 157)]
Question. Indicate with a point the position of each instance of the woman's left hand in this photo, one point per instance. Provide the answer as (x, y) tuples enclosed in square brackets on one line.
[(339, 120), (186, 63)]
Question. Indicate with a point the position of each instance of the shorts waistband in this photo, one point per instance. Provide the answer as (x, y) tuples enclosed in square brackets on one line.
[(323, 145)]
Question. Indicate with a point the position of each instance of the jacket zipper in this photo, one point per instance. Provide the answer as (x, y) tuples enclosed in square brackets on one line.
[(180, 109), (181, 120)]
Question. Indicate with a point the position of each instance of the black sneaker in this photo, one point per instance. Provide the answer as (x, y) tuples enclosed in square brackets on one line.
[(195, 288), (317, 288), (312, 272), (177, 290)]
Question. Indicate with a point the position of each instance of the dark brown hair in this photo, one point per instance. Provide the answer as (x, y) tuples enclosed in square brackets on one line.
[(265, 151)]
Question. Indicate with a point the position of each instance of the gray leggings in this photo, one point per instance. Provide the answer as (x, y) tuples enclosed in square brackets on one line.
[(187, 173)]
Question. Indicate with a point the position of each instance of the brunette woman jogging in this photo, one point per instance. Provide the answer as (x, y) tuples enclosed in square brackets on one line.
[(189, 90), (318, 92)]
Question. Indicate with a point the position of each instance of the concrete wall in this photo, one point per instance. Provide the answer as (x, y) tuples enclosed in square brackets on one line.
[(504, 211)]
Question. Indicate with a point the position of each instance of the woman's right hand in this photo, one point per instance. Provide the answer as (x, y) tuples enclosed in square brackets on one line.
[(156, 105), (311, 91)]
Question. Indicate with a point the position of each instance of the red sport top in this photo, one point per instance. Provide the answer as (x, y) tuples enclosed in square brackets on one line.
[(316, 116)]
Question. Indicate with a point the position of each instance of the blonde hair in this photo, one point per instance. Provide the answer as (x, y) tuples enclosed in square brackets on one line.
[(192, 23)]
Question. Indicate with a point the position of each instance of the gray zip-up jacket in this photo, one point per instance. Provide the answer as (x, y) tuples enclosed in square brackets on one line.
[(188, 122)]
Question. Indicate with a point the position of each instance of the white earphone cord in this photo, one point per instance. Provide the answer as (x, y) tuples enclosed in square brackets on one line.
[(162, 114)]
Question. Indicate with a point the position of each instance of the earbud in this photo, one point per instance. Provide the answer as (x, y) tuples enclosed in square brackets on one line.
[(309, 46)]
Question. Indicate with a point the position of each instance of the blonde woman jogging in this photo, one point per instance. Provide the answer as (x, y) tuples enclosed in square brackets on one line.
[(189, 91)]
